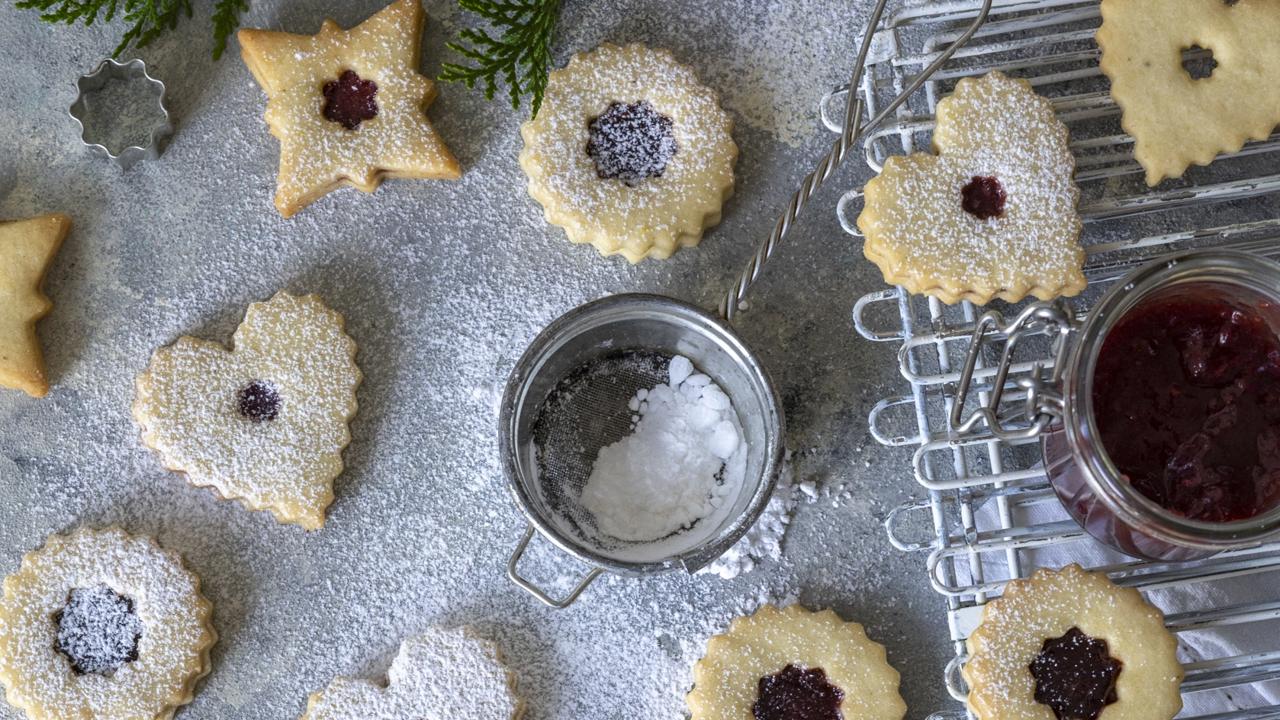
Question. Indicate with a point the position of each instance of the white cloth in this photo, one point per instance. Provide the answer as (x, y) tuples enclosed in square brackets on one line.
[(1193, 645)]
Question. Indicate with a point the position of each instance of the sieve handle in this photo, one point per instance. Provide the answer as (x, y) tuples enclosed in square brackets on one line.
[(514, 573)]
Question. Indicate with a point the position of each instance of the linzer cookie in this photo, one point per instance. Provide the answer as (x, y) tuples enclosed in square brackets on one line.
[(1177, 119), (1069, 644), (783, 664), (630, 153), (993, 213), (103, 625), (264, 422), (348, 106), (439, 675), (27, 248)]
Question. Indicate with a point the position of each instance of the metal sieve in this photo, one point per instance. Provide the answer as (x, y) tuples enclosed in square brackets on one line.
[(568, 395), (568, 398)]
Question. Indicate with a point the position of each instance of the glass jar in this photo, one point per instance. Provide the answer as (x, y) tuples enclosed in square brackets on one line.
[(1090, 486)]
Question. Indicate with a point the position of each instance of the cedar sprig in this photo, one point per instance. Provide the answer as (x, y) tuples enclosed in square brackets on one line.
[(147, 19), (520, 57)]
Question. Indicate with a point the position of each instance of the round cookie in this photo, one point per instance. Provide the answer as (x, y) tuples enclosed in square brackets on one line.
[(1070, 644), (439, 675), (775, 661), (629, 152), (265, 422), (993, 213), (103, 625)]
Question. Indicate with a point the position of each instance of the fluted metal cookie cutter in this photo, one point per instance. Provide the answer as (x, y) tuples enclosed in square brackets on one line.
[(126, 123)]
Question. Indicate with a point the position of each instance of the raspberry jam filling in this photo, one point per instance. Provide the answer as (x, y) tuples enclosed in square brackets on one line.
[(98, 630), (797, 694), (349, 100), (983, 197), (631, 142), (259, 401), (1186, 396), (1075, 676)]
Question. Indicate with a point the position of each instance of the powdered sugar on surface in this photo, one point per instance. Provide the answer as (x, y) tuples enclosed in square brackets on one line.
[(442, 285), (684, 459)]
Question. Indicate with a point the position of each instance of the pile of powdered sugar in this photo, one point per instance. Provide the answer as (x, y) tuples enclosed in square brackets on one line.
[(764, 540), (683, 460)]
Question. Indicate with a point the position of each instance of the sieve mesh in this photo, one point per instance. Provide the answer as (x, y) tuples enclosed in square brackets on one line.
[(586, 411)]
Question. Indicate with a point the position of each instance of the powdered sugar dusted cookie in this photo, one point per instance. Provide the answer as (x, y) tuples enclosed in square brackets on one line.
[(348, 106), (27, 248), (776, 662), (1174, 118), (439, 675), (264, 422), (630, 152), (103, 625), (1070, 644), (993, 213)]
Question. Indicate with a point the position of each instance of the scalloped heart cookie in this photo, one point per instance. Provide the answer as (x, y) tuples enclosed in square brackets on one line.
[(1175, 119), (993, 213), (264, 422), (439, 675)]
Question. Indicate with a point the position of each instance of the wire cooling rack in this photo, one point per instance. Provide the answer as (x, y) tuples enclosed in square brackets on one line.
[(979, 488)]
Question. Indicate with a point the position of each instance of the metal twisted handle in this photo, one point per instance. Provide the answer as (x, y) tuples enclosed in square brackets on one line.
[(852, 133)]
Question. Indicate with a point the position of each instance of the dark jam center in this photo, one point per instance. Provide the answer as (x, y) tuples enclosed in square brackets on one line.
[(631, 142), (259, 401), (98, 630), (797, 694), (1075, 676), (983, 198), (349, 100), (1187, 400)]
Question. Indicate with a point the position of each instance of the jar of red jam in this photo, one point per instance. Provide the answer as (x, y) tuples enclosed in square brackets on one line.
[(1168, 445)]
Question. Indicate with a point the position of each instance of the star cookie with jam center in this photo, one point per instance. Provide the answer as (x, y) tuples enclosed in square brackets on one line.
[(348, 106), (27, 248)]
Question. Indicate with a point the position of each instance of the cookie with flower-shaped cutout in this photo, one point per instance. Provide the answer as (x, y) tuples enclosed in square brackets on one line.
[(264, 422), (348, 106), (793, 662), (629, 152), (992, 213), (439, 675), (105, 625), (27, 248), (1177, 119), (1070, 644)]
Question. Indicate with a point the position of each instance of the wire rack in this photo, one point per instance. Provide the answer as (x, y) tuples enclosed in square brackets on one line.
[(980, 489)]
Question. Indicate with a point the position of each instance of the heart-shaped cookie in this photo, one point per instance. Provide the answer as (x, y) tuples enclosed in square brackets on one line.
[(993, 213), (1175, 119), (439, 675), (264, 422)]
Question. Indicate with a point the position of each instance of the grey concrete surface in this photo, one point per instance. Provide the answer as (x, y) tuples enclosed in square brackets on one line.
[(442, 285)]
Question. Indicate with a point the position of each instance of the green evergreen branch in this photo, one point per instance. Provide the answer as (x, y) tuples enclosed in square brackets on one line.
[(147, 19), (520, 57)]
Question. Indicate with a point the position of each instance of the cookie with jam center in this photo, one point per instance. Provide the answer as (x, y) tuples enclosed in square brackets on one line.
[(1070, 645), (348, 106), (630, 152), (105, 625), (794, 663), (264, 422)]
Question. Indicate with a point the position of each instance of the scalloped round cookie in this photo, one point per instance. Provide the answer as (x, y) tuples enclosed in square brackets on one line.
[(103, 625), (775, 661), (264, 422), (1069, 641), (438, 675), (992, 213), (629, 152)]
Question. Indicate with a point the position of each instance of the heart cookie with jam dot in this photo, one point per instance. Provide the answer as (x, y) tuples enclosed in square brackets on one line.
[(1179, 114), (992, 213), (264, 422)]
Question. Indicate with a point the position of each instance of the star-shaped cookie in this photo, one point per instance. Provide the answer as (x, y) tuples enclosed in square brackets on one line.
[(27, 248), (348, 106)]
